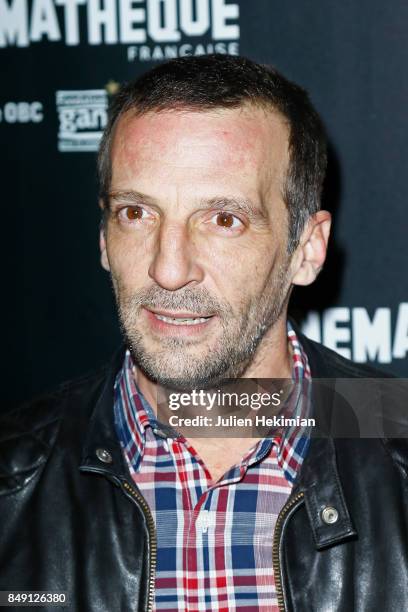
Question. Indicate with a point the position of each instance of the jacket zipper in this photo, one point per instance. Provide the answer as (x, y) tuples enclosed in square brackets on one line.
[(153, 542), (275, 549)]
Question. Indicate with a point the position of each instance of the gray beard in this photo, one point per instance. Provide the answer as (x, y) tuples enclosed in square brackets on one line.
[(172, 366)]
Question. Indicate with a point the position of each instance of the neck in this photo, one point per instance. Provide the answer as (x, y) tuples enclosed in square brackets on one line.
[(272, 359)]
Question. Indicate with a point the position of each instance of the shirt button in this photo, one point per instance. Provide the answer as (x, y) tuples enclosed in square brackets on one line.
[(104, 455), (159, 432), (330, 515), (204, 520)]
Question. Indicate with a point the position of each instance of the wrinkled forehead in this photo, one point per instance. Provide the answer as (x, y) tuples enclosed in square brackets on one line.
[(247, 142)]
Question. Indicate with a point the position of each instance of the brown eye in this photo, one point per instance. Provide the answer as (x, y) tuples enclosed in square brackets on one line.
[(134, 213), (225, 220)]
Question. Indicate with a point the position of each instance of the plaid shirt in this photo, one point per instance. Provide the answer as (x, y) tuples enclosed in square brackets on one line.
[(214, 540)]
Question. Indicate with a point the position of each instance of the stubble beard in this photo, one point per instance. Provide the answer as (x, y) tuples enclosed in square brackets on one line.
[(173, 366)]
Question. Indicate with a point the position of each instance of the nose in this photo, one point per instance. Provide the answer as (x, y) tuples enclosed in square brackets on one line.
[(175, 262)]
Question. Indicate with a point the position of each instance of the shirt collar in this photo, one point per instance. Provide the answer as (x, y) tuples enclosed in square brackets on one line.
[(133, 415)]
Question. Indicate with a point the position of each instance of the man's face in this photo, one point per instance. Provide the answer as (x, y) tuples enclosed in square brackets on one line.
[(196, 239)]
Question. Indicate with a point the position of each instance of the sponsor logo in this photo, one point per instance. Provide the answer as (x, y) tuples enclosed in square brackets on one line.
[(154, 29), (82, 118), (22, 112), (353, 333)]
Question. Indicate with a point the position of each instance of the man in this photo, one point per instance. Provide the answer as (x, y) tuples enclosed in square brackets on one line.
[(211, 172)]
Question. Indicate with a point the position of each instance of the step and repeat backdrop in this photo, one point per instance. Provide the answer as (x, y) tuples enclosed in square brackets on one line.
[(63, 59)]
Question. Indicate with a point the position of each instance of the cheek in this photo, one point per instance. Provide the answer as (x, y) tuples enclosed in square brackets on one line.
[(240, 272), (127, 258)]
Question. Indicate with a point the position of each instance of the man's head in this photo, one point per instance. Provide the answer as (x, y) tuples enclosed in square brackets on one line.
[(211, 171)]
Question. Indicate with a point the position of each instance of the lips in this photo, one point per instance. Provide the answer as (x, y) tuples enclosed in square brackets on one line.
[(179, 319)]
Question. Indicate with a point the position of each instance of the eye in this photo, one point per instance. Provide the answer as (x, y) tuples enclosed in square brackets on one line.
[(133, 213), (226, 220)]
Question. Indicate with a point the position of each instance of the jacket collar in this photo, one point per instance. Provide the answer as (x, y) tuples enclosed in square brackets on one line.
[(322, 489), (102, 453), (319, 479)]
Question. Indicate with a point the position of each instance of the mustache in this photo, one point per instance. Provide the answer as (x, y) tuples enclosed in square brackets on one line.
[(197, 300)]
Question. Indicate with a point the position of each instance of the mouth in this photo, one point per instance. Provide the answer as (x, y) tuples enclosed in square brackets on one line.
[(178, 321), (182, 320)]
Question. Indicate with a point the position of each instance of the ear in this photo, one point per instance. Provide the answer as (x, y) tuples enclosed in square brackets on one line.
[(102, 241), (309, 257)]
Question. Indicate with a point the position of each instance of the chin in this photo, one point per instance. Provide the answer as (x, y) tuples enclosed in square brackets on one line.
[(173, 377), (180, 365), (181, 376)]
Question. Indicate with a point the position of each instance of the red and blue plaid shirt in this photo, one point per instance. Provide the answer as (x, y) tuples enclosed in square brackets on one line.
[(214, 540)]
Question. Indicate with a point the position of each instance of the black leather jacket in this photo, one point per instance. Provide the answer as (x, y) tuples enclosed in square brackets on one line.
[(72, 520)]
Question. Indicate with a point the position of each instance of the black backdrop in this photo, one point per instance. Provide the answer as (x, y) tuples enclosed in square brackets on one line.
[(62, 59)]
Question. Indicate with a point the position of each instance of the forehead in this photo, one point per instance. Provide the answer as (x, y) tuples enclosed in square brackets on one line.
[(247, 146)]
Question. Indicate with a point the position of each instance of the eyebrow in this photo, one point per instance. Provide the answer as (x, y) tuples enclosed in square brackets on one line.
[(230, 203), (233, 204), (133, 197)]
